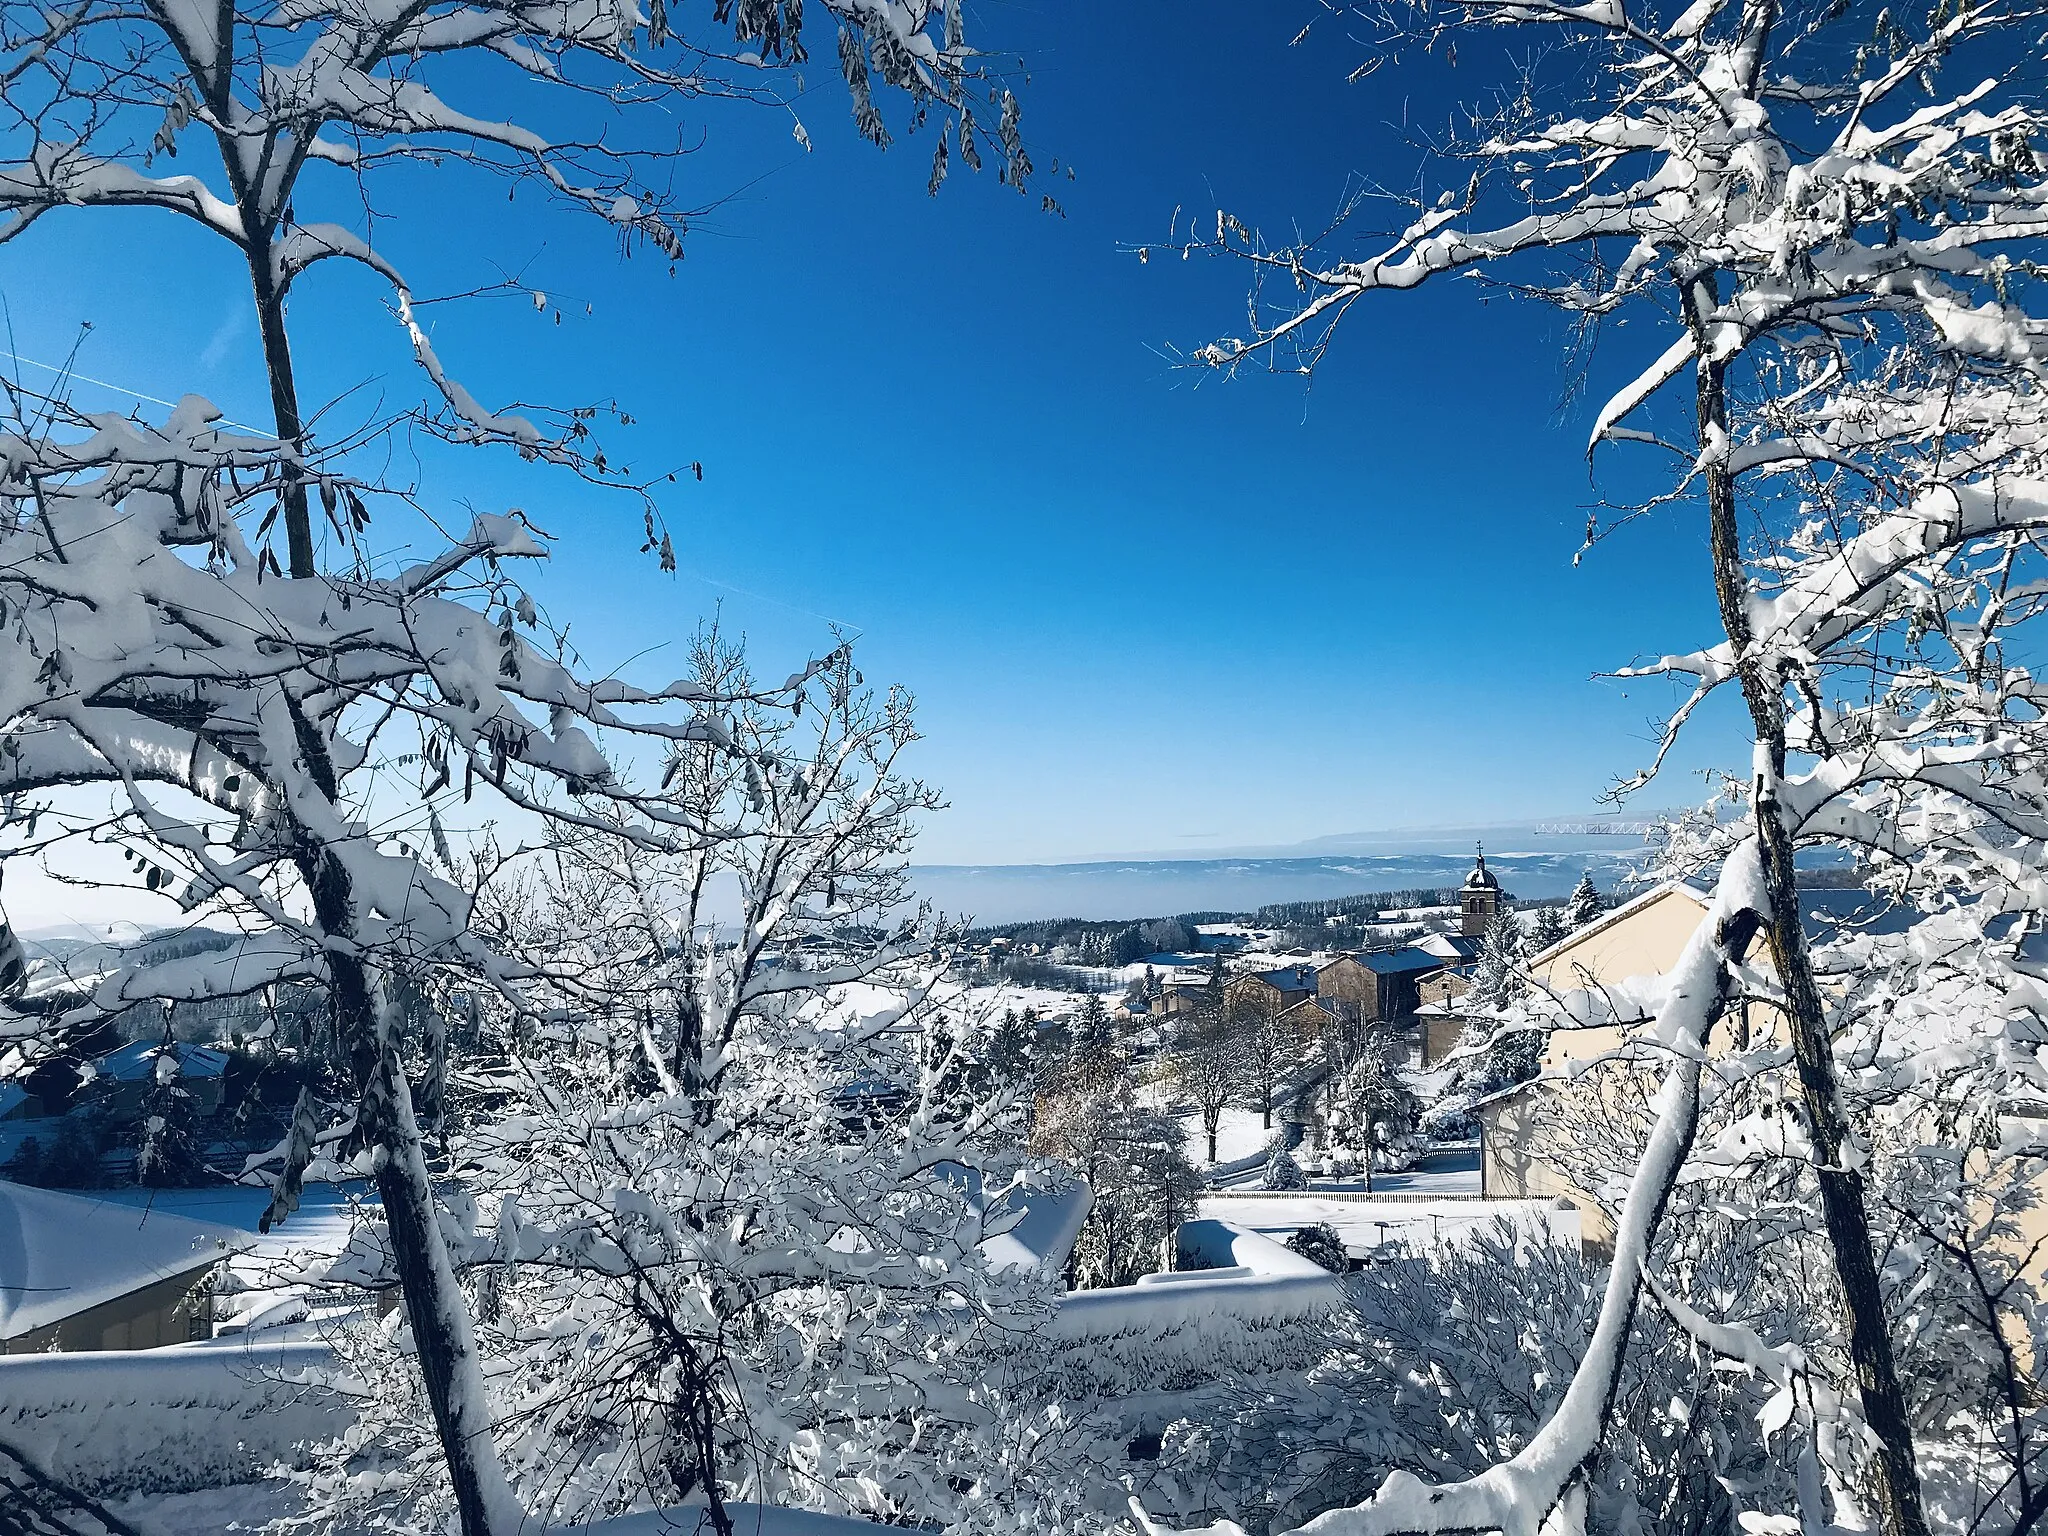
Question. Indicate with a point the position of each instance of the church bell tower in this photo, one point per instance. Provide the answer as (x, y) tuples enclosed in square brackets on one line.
[(1478, 898)]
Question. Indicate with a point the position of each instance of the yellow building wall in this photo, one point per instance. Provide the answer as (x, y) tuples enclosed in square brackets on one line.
[(1642, 939)]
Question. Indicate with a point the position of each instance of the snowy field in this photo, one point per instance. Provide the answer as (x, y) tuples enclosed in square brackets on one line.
[(1241, 1133)]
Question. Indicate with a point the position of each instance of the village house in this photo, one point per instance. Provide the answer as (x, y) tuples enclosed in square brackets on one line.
[(132, 1071), (83, 1274), (1271, 992), (1441, 1013), (1377, 987), (1644, 937)]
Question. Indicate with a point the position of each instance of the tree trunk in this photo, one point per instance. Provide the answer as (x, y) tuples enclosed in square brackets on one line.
[(443, 1340), (1896, 1478), (284, 403)]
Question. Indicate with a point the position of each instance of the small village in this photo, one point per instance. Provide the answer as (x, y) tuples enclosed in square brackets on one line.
[(1174, 769), (1243, 1126)]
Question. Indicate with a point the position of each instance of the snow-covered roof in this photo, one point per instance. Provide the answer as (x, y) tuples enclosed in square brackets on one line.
[(1289, 978), (1449, 946), (1045, 1234), (62, 1254), (1398, 962), (136, 1061), (12, 1097)]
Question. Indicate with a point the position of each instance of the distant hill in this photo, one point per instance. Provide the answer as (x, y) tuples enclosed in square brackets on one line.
[(1132, 889)]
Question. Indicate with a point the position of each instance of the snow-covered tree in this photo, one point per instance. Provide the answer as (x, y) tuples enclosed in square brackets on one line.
[(737, 1134), (1371, 1097), (247, 730), (1323, 1244), (168, 1149), (1821, 224), (1499, 979), (1547, 925), (1586, 903), (308, 108), (241, 725), (1282, 1171), (1136, 1166), (1205, 1064), (1271, 1044)]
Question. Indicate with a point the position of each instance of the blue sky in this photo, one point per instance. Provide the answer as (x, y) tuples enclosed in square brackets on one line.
[(1142, 609)]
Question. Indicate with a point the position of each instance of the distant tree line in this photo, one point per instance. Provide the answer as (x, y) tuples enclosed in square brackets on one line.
[(1363, 908)]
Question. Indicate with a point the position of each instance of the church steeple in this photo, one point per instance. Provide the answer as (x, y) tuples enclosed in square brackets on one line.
[(1478, 898)]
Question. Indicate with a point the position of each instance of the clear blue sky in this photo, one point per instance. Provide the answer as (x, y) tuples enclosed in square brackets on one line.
[(1141, 609)]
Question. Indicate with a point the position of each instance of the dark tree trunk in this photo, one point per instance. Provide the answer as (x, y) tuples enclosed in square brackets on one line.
[(1895, 1476), (434, 1304), (284, 405)]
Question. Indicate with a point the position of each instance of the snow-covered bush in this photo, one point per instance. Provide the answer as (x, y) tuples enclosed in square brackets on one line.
[(1444, 1365), (1282, 1171), (1449, 1118), (1321, 1244)]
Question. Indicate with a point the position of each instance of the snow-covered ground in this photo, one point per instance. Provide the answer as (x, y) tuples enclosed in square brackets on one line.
[(1453, 1172), (1239, 1134), (209, 1511), (1367, 1225)]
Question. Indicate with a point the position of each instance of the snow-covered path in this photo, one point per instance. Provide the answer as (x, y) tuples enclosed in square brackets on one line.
[(1453, 1171)]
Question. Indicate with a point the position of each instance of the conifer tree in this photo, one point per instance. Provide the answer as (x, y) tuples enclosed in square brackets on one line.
[(1499, 981), (1585, 904), (1547, 927), (168, 1154)]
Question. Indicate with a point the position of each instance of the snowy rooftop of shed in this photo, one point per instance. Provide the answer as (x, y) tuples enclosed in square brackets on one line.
[(63, 1254)]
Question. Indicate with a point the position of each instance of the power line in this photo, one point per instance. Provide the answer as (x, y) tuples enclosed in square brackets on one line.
[(121, 389)]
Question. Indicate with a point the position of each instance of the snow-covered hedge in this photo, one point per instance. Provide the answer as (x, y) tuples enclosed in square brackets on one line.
[(1251, 1308), (170, 1420)]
